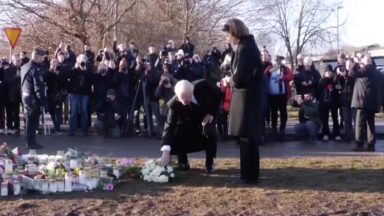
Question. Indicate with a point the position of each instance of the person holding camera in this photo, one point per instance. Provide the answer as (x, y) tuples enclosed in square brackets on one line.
[(55, 82), (80, 82), (309, 118), (183, 71), (64, 69), (102, 81), (109, 116), (33, 95), (279, 91), (165, 91), (346, 82), (328, 98), (307, 77)]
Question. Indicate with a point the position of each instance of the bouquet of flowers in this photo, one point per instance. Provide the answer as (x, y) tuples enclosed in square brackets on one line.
[(154, 172), (14, 155)]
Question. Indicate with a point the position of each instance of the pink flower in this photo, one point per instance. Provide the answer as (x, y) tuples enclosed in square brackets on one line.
[(127, 162), (109, 187)]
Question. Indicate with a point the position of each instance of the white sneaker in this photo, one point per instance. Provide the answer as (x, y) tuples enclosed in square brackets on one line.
[(338, 138), (325, 138), (2, 131)]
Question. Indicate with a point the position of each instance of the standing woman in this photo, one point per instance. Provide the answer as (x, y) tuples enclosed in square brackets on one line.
[(246, 101)]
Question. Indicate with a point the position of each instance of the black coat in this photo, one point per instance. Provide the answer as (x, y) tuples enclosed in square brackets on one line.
[(328, 92), (247, 87), (183, 130), (303, 75), (367, 90)]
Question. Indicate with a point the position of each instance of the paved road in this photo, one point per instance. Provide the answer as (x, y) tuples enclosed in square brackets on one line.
[(146, 147)]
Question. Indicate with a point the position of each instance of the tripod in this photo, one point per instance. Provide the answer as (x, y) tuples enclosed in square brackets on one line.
[(130, 127)]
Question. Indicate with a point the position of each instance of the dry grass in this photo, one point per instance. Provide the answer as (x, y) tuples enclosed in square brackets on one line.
[(294, 186)]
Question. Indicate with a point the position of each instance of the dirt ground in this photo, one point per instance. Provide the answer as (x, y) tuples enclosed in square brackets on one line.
[(293, 186)]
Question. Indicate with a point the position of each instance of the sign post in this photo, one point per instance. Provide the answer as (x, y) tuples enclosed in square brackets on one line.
[(13, 35)]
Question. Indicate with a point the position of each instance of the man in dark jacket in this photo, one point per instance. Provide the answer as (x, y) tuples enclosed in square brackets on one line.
[(246, 101), (90, 57), (190, 126), (307, 79), (109, 116), (12, 80), (33, 95), (367, 100), (346, 82)]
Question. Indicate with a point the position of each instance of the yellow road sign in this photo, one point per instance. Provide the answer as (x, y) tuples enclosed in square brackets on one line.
[(12, 35)]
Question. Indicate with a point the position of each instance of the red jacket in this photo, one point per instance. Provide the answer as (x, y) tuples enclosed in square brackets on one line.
[(227, 98), (287, 77)]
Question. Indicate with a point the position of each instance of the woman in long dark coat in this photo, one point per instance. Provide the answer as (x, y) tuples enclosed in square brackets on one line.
[(246, 101)]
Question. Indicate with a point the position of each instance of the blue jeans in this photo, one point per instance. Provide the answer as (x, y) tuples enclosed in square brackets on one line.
[(78, 102)]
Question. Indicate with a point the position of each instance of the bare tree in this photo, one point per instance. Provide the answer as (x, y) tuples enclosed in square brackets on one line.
[(297, 23)]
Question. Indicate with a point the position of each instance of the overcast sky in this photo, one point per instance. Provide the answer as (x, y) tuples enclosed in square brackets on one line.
[(364, 22)]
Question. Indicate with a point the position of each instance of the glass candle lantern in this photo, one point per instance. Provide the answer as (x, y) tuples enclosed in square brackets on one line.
[(16, 188), (4, 189), (60, 185), (68, 182)]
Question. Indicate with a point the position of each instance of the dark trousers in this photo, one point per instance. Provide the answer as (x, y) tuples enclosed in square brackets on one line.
[(249, 159), (56, 113), (349, 116), (324, 115), (210, 153), (278, 103), (306, 130), (2, 114), (365, 121), (13, 115), (222, 124), (31, 113)]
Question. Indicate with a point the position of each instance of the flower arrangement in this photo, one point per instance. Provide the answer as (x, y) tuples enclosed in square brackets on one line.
[(154, 172)]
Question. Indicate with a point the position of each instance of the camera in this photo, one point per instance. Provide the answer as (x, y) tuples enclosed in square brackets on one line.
[(82, 64), (165, 81)]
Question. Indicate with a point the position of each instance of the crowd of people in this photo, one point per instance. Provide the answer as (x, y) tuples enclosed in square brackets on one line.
[(116, 84)]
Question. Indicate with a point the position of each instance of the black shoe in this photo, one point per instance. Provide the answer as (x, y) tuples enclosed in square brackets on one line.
[(183, 167), (358, 149), (34, 146), (211, 169), (370, 148), (241, 181)]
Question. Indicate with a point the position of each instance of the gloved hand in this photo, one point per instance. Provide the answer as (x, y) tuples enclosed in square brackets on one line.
[(117, 116), (165, 158)]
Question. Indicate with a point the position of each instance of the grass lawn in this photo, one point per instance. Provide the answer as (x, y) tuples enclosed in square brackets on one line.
[(292, 186)]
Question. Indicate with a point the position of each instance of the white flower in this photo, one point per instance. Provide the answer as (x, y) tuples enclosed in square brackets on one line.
[(169, 169), (51, 165), (162, 179)]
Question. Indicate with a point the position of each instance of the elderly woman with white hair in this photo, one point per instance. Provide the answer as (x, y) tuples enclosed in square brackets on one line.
[(190, 126), (79, 89), (307, 80)]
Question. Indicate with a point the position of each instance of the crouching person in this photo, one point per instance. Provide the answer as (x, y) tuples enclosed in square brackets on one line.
[(190, 126), (109, 121), (309, 118)]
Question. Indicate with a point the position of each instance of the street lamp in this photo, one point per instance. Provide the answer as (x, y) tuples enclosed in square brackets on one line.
[(338, 35)]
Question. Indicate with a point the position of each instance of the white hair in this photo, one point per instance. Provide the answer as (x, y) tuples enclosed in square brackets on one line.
[(182, 87), (308, 61)]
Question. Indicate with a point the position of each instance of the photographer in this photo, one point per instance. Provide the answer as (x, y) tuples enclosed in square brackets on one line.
[(161, 60), (102, 81), (197, 68), (183, 71), (328, 98), (64, 69), (152, 56), (55, 82), (306, 78), (80, 82), (346, 83), (109, 116), (165, 90), (309, 118), (90, 57)]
